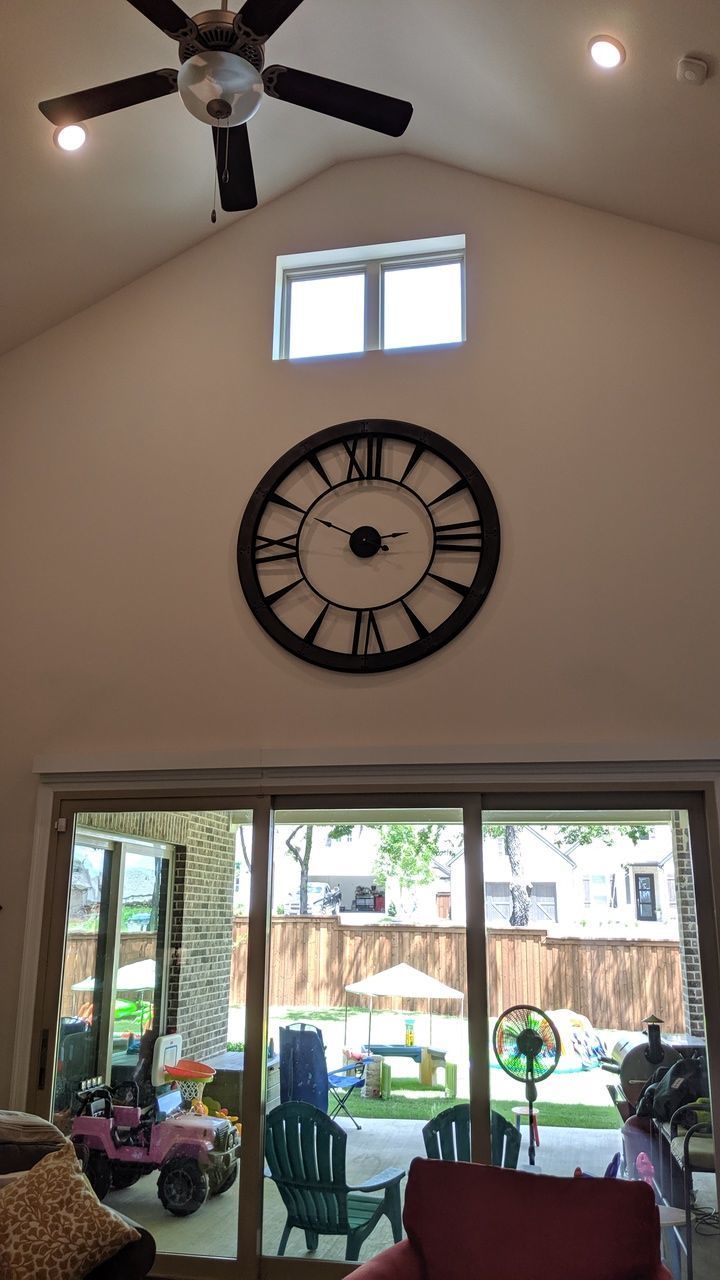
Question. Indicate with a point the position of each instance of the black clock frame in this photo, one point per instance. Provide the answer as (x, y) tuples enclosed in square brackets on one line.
[(473, 596)]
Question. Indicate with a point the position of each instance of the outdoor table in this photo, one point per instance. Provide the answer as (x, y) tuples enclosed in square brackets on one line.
[(428, 1059)]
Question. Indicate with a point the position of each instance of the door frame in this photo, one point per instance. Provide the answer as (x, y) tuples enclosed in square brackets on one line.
[(484, 789)]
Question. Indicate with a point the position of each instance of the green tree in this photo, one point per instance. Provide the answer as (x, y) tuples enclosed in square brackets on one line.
[(299, 845), (407, 852)]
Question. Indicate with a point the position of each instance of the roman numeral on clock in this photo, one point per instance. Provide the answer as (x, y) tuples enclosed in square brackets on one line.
[(374, 457), (366, 627), (373, 464), (354, 470), (465, 535), (288, 551)]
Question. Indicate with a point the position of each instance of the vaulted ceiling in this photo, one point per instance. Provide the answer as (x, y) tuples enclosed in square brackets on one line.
[(500, 87)]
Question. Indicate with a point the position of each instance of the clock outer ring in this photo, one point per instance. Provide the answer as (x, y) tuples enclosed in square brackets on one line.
[(417, 649)]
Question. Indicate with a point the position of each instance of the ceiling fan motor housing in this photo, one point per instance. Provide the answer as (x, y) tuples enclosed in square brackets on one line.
[(216, 32)]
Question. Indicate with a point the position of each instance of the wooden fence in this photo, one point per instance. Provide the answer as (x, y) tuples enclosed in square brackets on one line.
[(615, 982), (80, 963)]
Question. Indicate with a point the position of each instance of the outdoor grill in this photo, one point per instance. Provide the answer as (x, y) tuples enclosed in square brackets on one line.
[(635, 1060), (636, 1056)]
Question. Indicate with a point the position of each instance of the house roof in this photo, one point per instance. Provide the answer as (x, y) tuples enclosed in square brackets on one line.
[(500, 87)]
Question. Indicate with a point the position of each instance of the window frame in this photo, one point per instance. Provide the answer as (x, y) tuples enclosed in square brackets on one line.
[(448, 258), (371, 261), (318, 273)]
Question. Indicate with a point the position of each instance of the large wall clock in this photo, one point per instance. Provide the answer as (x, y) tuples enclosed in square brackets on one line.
[(369, 545)]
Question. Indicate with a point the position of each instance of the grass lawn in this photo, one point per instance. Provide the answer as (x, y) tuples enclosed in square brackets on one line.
[(402, 1105)]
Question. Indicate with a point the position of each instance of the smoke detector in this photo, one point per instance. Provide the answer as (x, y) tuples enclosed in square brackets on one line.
[(692, 71)]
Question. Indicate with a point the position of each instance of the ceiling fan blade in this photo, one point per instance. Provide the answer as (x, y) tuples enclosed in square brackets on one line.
[(75, 107), (168, 16), (236, 180), (259, 19), (344, 101)]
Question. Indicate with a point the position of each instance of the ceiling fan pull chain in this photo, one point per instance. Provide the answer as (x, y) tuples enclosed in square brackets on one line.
[(213, 215), (226, 171)]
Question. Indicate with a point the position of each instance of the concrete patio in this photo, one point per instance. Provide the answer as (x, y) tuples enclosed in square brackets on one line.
[(211, 1231)]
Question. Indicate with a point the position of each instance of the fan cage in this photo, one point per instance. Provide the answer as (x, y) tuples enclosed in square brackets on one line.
[(510, 1026)]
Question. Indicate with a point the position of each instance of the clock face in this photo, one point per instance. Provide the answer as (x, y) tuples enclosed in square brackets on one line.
[(368, 546)]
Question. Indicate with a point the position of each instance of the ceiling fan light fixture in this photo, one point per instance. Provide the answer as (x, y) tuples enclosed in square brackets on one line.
[(220, 88), (606, 52), (70, 137)]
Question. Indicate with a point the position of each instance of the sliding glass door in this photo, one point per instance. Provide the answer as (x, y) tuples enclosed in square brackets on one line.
[(371, 962)]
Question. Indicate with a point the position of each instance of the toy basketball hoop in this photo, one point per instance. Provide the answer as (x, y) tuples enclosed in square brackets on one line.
[(190, 1078)]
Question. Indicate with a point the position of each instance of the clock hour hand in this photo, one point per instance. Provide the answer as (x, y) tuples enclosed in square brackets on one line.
[(329, 525)]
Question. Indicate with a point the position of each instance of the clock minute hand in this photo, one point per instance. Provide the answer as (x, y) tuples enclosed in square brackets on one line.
[(402, 534), (329, 525)]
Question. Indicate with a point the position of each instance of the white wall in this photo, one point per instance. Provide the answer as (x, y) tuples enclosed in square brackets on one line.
[(134, 434)]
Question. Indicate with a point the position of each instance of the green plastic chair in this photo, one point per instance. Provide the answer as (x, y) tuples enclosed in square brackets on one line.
[(305, 1152), (447, 1137)]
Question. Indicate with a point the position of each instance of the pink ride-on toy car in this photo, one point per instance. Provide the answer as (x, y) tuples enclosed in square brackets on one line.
[(197, 1156)]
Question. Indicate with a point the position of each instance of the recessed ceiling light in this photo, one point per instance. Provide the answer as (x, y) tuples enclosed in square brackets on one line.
[(606, 52), (70, 137)]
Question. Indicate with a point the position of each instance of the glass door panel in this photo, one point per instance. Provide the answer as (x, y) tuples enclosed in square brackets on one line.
[(138, 982), (367, 1002), (590, 920), (153, 1012), (80, 1051)]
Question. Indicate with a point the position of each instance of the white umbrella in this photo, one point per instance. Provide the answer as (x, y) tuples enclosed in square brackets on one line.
[(402, 980), (139, 976)]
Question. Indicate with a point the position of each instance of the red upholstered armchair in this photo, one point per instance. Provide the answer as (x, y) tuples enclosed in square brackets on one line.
[(465, 1220)]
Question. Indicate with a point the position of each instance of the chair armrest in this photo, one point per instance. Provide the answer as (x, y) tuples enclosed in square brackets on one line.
[(388, 1178), (700, 1104), (402, 1262), (354, 1071)]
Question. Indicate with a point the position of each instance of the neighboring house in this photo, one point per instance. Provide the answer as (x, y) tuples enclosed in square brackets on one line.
[(595, 886), (346, 864), (84, 890)]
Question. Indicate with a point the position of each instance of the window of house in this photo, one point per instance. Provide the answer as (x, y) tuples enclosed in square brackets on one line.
[(384, 297)]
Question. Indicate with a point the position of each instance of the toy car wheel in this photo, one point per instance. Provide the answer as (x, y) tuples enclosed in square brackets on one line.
[(182, 1186), (220, 1184), (99, 1173), (125, 1175)]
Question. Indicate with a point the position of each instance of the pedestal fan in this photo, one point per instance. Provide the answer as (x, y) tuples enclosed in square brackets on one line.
[(527, 1047)]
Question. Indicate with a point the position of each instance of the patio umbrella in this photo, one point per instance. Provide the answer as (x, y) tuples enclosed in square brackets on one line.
[(403, 980), (139, 976)]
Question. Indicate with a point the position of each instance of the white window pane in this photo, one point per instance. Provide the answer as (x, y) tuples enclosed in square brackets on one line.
[(422, 305), (327, 316)]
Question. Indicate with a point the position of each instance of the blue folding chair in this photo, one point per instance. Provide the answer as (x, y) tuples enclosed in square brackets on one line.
[(342, 1084)]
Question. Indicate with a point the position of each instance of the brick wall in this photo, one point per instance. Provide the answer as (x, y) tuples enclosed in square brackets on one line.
[(201, 935), (687, 924), (201, 921)]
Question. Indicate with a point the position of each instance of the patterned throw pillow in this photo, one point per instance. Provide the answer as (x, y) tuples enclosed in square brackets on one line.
[(52, 1225)]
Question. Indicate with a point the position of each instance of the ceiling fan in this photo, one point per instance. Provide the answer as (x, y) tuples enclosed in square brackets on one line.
[(222, 80)]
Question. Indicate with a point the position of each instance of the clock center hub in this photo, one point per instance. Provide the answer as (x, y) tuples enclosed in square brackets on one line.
[(365, 541)]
